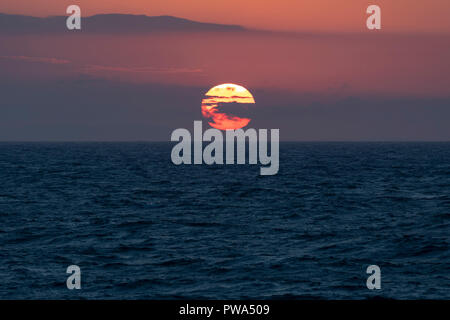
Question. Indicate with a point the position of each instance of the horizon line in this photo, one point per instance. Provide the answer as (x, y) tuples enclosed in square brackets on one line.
[(251, 29)]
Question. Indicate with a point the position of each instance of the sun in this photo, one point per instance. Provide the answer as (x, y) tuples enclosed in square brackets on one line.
[(222, 97)]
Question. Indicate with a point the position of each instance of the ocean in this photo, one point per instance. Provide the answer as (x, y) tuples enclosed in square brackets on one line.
[(140, 227)]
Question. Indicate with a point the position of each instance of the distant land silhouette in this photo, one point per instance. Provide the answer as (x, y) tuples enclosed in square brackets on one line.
[(107, 23)]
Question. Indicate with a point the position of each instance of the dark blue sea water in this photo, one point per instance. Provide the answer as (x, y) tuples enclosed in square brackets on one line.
[(140, 227)]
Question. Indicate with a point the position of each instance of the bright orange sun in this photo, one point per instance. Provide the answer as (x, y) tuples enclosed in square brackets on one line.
[(219, 98)]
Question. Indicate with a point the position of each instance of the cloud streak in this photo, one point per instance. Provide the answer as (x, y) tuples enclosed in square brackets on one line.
[(37, 59), (107, 70), (147, 70)]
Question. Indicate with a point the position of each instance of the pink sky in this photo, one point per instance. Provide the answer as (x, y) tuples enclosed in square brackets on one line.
[(317, 15)]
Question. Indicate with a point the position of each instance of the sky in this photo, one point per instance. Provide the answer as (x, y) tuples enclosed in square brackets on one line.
[(338, 82), (409, 16)]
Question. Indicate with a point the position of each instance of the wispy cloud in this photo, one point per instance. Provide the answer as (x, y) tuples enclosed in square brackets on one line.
[(37, 59), (103, 68), (146, 70)]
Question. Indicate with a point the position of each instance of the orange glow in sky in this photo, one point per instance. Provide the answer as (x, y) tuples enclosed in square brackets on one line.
[(217, 98), (308, 15)]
